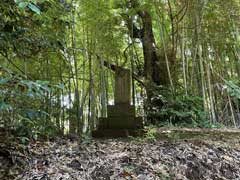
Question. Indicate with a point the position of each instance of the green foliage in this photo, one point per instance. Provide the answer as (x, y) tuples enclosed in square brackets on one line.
[(32, 35), (233, 89), (208, 124), (22, 98), (151, 133), (178, 110), (27, 4), (35, 124), (23, 31)]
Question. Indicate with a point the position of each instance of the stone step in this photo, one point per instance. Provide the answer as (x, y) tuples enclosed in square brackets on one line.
[(127, 122), (120, 123), (120, 110), (117, 123), (113, 133)]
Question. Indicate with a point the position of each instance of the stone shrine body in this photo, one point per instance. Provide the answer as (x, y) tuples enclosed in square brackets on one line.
[(121, 120)]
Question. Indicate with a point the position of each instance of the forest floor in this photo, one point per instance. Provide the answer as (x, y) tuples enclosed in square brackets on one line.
[(190, 154)]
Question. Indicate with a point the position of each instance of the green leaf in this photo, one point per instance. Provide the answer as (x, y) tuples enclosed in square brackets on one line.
[(30, 94), (23, 4), (4, 81), (233, 89), (4, 106), (60, 86), (17, 1), (34, 8)]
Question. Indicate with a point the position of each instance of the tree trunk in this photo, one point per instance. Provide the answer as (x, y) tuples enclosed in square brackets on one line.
[(155, 69), (152, 70)]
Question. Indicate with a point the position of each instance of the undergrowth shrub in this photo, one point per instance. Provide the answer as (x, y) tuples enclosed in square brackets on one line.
[(178, 110), (22, 106)]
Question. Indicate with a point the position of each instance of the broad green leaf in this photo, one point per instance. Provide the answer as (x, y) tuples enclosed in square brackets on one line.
[(60, 86), (17, 1), (23, 4), (4, 81), (34, 8), (30, 94), (5, 107)]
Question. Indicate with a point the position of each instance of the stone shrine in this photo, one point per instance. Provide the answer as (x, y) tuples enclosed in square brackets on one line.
[(121, 120)]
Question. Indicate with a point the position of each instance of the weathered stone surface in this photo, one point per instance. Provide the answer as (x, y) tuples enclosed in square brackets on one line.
[(106, 133), (122, 92), (122, 110), (119, 122)]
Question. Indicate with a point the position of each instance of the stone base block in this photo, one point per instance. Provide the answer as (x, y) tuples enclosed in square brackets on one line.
[(127, 122), (115, 133), (122, 110)]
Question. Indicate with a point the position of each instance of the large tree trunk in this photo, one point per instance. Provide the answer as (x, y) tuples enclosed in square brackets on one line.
[(151, 60), (155, 69), (152, 70)]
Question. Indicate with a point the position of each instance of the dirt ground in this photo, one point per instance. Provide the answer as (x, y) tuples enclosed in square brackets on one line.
[(178, 157)]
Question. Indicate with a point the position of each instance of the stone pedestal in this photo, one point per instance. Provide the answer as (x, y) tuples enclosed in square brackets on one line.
[(121, 120), (120, 116)]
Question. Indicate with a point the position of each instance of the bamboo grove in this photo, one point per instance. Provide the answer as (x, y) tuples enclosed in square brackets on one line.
[(184, 56)]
